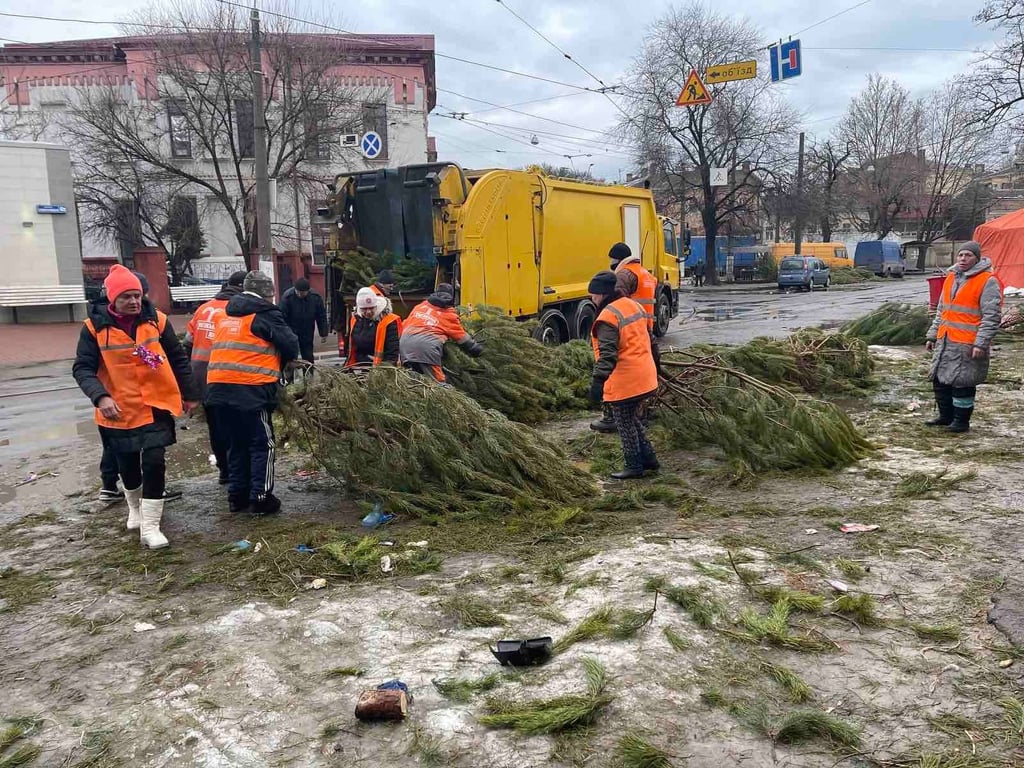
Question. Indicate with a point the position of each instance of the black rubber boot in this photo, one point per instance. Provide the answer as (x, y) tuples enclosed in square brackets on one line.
[(961, 420), (606, 424), (628, 474), (649, 458), (944, 401), (239, 503), (269, 505)]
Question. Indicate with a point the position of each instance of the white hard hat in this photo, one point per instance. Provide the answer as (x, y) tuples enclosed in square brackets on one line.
[(366, 299)]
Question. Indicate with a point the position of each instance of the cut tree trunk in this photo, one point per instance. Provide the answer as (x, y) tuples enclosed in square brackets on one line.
[(374, 704)]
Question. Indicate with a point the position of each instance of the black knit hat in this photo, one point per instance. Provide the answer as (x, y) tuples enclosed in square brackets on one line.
[(302, 284), (385, 277), (237, 278), (603, 283), (618, 252), (444, 296)]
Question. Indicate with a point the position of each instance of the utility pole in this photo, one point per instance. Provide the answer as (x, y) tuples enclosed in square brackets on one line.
[(798, 225), (264, 246)]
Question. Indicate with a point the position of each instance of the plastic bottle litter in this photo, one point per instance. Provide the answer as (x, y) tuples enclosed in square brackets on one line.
[(305, 548), (857, 528), (377, 517), (241, 546)]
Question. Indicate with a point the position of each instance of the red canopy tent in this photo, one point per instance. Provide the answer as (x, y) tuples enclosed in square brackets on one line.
[(1002, 241)]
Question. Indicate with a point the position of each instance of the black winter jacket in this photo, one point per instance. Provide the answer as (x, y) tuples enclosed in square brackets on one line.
[(608, 345), (302, 314), (270, 326)]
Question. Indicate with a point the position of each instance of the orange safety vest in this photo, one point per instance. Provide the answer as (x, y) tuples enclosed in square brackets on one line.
[(135, 387), (378, 342), (434, 321), (635, 373), (239, 356), (378, 291), (961, 314), (201, 328), (646, 291)]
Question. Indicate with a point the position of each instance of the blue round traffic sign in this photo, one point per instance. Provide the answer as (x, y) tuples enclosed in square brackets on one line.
[(371, 145)]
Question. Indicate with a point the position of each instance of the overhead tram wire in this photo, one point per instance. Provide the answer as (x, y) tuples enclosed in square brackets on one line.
[(833, 16)]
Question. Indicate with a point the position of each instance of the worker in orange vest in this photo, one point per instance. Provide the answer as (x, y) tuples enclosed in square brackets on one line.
[(198, 341), (373, 333), (625, 374), (132, 367), (960, 337), (252, 345), (623, 260), (424, 333)]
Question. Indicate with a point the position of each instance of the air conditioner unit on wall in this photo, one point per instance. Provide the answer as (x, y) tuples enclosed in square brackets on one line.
[(350, 139)]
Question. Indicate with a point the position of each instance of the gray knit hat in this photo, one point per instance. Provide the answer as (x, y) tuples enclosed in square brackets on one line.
[(260, 284), (973, 246)]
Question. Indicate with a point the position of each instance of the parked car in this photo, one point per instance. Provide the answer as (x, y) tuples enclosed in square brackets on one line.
[(804, 272), (883, 257)]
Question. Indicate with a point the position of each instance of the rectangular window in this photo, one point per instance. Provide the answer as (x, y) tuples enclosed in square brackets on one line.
[(246, 128), (631, 228), (181, 136), (318, 134), (318, 235), (375, 118)]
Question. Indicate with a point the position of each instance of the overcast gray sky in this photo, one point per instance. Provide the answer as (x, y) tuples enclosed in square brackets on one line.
[(603, 35)]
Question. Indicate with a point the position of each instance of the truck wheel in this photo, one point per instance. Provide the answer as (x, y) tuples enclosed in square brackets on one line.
[(553, 328), (583, 320), (662, 314)]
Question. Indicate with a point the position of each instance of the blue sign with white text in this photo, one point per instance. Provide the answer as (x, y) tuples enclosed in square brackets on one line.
[(785, 60), (51, 209)]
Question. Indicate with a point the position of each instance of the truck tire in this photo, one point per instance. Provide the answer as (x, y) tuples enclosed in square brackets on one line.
[(662, 314), (583, 320), (552, 329)]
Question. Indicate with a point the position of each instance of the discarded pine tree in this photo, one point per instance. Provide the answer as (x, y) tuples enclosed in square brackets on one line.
[(895, 324), (426, 450)]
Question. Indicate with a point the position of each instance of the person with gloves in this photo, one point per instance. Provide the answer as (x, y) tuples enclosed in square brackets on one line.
[(625, 373), (132, 367), (960, 338), (252, 344), (374, 332), (198, 341), (424, 333)]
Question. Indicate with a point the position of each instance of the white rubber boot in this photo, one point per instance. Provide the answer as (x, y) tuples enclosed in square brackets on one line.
[(152, 511), (134, 499)]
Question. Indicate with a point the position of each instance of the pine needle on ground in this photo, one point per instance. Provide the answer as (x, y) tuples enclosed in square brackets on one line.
[(553, 715), (774, 628), (472, 612), (703, 610), (894, 324), (605, 622), (805, 725), (791, 682), (677, 641), (921, 485), (463, 689), (635, 751)]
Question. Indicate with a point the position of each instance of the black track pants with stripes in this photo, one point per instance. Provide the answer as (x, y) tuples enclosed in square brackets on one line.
[(250, 452)]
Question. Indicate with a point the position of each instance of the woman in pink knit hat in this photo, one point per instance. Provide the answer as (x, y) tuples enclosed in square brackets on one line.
[(132, 367)]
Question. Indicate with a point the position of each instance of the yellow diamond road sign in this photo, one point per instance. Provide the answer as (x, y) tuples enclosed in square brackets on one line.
[(724, 73)]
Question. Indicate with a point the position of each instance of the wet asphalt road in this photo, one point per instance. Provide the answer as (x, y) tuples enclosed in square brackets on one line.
[(730, 317), (45, 419)]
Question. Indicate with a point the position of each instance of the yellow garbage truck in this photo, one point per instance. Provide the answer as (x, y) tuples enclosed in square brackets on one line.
[(521, 241)]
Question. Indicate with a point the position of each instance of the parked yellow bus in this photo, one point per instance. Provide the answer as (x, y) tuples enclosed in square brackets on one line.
[(833, 254)]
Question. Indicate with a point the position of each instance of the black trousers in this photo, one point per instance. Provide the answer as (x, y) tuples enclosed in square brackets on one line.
[(963, 397), (636, 448), (148, 469), (251, 451), (108, 470), (220, 438)]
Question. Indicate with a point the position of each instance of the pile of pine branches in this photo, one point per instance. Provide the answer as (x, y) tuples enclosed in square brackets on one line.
[(893, 324), (810, 359), (360, 268), (517, 375), (426, 450), (758, 426)]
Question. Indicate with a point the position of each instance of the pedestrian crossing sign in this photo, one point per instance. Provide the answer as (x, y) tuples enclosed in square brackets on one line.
[(694, 93)]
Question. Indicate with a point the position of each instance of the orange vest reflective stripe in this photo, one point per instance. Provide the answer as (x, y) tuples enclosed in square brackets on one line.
[(434, 321), (377, 290), (961, 314), (136, 388), (635, 373), (378, 342), (646, 291), (202, 325), (239, 356)]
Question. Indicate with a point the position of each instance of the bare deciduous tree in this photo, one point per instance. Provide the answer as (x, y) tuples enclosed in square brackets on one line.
[(193, 124), (825, 200), (1000, 83), (746, 129), (882, 128)]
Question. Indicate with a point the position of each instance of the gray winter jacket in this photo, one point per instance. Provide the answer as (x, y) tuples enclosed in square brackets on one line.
[(952, 363)]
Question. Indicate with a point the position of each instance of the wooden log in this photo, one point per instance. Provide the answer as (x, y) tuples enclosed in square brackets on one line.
[(374, 704)]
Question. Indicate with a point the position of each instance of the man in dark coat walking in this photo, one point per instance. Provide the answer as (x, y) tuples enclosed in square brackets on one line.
[(304, 311)]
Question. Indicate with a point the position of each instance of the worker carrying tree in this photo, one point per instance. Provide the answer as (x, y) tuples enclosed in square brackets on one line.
[(623, 260), (374, 332), (425, 331), (625, 374), (968, 316), (132, 367), (251, 347)]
